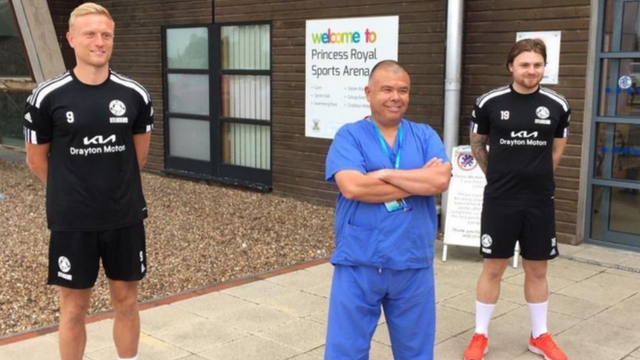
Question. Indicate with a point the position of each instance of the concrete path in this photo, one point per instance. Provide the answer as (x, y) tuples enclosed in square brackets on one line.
[(594, 303)]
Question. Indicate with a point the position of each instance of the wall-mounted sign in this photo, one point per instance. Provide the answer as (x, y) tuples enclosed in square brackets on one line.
[(552, 41), (339, 56)]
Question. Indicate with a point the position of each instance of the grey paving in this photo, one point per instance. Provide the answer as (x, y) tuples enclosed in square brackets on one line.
[(594, 314)]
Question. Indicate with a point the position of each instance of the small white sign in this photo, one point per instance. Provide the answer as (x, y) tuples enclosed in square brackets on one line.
[(552, 41), (339, 56), (464, 201)]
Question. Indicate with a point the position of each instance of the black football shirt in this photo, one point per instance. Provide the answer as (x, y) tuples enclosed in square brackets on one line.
[(521, 130), (93, 180)]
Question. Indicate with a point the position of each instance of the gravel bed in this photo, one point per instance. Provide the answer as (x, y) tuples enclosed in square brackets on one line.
[(197, 235)]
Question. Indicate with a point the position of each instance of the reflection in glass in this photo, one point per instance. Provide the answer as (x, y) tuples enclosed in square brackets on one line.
[(617, 152), (188, 94), (246, 145), (597, 212), (189, 139), (187, 48), (246, 97), (11, 112), (607, 30), (13, 61), (600, 150), (626, 152), (624, 211), (630, 26), (620, 89), (246, 47)]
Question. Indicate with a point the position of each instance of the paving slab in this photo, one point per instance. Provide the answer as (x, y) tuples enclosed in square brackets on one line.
[(149, 348), (519, 320), (322, 290), (200, 335), (302, 335), (594, 292), (299, 280), (213, 305), (99, 335), (625, 314), (297, 303), (620, 279), (192, 357), (575, 307), (43, 347), (453, 321), (555, 284), (251, 347), (317, 353), (604, 255), (467, 302), (155, 320), (593, 331), (258, 291), (593, 307), (572, 270), (636, 353)]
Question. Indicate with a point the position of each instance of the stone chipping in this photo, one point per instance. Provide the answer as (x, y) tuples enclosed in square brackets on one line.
[(198, 235)]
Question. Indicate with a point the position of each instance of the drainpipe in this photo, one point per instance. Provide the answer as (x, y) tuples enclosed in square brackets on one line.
[(452, 84)]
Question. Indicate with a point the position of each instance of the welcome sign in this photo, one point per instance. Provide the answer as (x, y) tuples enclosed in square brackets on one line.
[(340, 54)]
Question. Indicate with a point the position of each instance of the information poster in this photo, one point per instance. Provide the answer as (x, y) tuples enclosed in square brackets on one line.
[(464, 202), (340, 54), (552, 41)]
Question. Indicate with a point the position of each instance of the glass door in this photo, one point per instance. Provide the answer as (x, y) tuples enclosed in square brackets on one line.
[(614, 179)]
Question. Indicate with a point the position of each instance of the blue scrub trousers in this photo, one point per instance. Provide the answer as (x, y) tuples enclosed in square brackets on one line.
[(408, 299)]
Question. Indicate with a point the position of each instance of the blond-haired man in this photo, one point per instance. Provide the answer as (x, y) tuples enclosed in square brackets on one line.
[(87, 135)]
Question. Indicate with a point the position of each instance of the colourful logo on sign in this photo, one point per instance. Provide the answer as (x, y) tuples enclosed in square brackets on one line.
[(346, 37), (467, 162)]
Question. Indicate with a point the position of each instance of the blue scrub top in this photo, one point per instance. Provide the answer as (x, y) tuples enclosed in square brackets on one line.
[(367, 234)]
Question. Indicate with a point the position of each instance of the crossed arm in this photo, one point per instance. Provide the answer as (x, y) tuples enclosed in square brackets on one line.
[(388, 184)]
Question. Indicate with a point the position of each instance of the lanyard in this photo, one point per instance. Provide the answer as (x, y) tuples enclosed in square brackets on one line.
[(385, 147)]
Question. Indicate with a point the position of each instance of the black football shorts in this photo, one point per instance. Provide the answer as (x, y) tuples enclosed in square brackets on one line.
[(503, 225), (74, 256)]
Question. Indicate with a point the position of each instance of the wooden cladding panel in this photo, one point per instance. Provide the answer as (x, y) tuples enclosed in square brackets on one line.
[(490, 30), (298, 161)]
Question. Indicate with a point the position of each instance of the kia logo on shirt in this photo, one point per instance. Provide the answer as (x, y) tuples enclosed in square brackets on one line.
[(99, 140), (524, 134)]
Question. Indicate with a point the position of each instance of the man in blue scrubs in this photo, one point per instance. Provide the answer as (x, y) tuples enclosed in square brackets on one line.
[(388, 170)]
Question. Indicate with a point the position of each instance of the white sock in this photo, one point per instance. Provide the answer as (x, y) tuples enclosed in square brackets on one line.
[(483, 316), (538, 318), (133, 358)]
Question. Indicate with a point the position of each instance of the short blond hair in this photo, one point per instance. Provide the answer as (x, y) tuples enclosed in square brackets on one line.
[(88, 9)]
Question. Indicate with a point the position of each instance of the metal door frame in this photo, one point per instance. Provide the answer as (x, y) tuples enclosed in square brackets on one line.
[(612, 238)]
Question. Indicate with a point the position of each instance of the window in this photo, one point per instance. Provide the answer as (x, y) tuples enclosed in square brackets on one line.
[(218, 102), (15, 78), (246, 96)]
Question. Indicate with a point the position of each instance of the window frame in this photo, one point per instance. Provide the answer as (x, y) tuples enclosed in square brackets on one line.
[(216, 170)]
